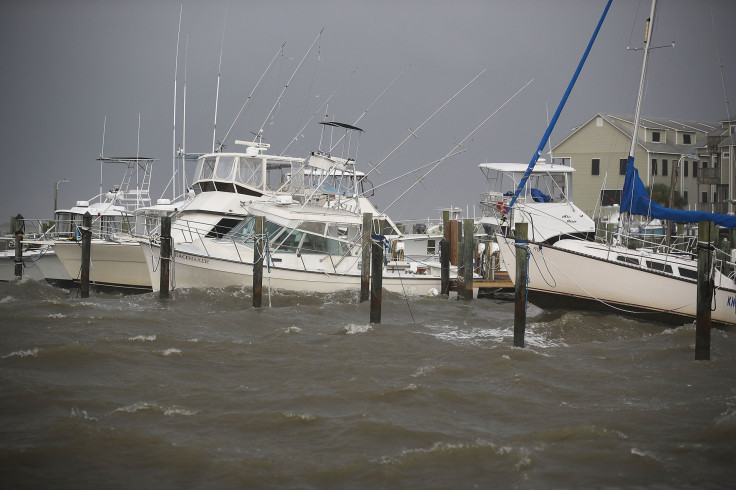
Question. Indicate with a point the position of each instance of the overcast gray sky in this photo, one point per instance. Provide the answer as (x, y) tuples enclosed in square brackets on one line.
[(69, 64)]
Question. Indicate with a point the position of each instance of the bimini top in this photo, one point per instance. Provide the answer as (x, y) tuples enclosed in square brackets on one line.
[(540, 168)]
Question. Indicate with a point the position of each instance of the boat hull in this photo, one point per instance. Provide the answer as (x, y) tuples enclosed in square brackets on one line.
[(116, 265), (563, 276), (39, 265), (196, 271)]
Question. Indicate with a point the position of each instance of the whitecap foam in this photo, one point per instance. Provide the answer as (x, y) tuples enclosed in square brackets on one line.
[(23, 353), (171, 351), (142, 338), (353, 329), (57, 315), (81, 414), (307, 417), (155, 407), (423, 371), (293, 330)]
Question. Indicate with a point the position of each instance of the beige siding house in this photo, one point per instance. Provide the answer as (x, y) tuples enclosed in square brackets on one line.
[(701, 151)]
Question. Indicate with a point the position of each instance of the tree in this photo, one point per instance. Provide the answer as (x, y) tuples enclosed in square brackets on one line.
[(660, 193)]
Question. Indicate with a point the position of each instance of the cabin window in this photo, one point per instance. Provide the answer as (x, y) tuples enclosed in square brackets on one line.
[(595, 168), (654, 166), (689, 273), (225, 167), (656, 136), (659, 266), (431, 247), (664, 168), (223, 227), (208, 168), (622, 166), (686, 139), (628, 260)]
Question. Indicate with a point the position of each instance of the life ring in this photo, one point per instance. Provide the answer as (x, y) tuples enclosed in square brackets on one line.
[(503, 207)]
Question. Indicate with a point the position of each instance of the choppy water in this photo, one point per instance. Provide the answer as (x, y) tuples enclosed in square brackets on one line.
[(204, 391)]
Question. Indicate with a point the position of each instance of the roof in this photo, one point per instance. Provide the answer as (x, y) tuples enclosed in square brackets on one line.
[(521, 168)]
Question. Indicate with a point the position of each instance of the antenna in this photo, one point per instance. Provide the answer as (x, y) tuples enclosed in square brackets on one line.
[(102, 151), (184, 123), (137, 165), (173, 140), (260, 131), (217, 92), (280, 50)]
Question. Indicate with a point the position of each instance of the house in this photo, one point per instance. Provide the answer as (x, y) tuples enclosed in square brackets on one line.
[(695, 156)]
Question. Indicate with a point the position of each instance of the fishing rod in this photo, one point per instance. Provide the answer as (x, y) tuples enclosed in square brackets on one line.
[(280, 50), (388, 87), (414, 133), (319, 110), (459, 144), (412, 171), (217, 93), (259, 135)]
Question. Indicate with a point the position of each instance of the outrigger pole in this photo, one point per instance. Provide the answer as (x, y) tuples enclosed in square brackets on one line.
[(556, 116)]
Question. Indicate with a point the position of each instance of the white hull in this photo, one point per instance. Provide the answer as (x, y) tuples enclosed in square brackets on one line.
[(194, 271), (120, 265), (587, 274), (40, 265)]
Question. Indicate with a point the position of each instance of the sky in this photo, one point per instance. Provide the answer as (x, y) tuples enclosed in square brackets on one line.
[(76, 70)]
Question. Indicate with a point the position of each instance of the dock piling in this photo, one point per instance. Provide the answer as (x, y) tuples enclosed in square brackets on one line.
[(18, 227), (376, 279), (705, 292), (468, 257), (365, 264), (522, 257), (165, 275), (258, 255), (86, 254)]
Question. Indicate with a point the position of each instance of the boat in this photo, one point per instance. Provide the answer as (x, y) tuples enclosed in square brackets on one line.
[(624, 275), (545, 203), (313, 233)]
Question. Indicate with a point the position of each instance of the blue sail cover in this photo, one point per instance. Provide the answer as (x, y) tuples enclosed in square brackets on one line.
[(635, 200)]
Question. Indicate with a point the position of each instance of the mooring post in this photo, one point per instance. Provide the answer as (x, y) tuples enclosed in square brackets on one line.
[(521, 233), (376, 279), (258, 254), (165, 275), (18, 226), (469, 256), (705, 293), (365, 263), (452, 240), (445, 266), (86, 254)]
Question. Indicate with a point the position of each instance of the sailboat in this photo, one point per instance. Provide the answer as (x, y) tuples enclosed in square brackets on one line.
[(652, 281)]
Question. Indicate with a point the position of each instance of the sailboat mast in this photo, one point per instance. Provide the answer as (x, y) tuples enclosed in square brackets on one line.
[(173, 139), (640, 96)]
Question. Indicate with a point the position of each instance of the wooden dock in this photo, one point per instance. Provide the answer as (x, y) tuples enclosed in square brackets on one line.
[(500, 281)]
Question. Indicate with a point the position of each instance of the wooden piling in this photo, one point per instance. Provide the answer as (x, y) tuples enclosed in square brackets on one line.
[(376, 280), (165, 271), (705, 293), (18, 226), (86, 254), (445, 266), (452, 240), (468, 257), (258, 255), (365, 264), (521, 233)]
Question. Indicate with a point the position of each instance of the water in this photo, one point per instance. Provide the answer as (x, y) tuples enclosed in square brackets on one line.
[(204, 391)]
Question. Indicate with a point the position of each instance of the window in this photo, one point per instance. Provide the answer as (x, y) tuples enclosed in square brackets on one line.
[(622, 166), (684, 168), (609, 197), (705, 197), (595, 168), (686, 139), (659, 266), (654, 166), (655, 136), (664, 168), (628, 260), (689, 273), (684, 196), (695, 169)]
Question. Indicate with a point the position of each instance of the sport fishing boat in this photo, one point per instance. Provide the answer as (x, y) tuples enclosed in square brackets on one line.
[(657, 280), (313, 238), (545, 202)]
